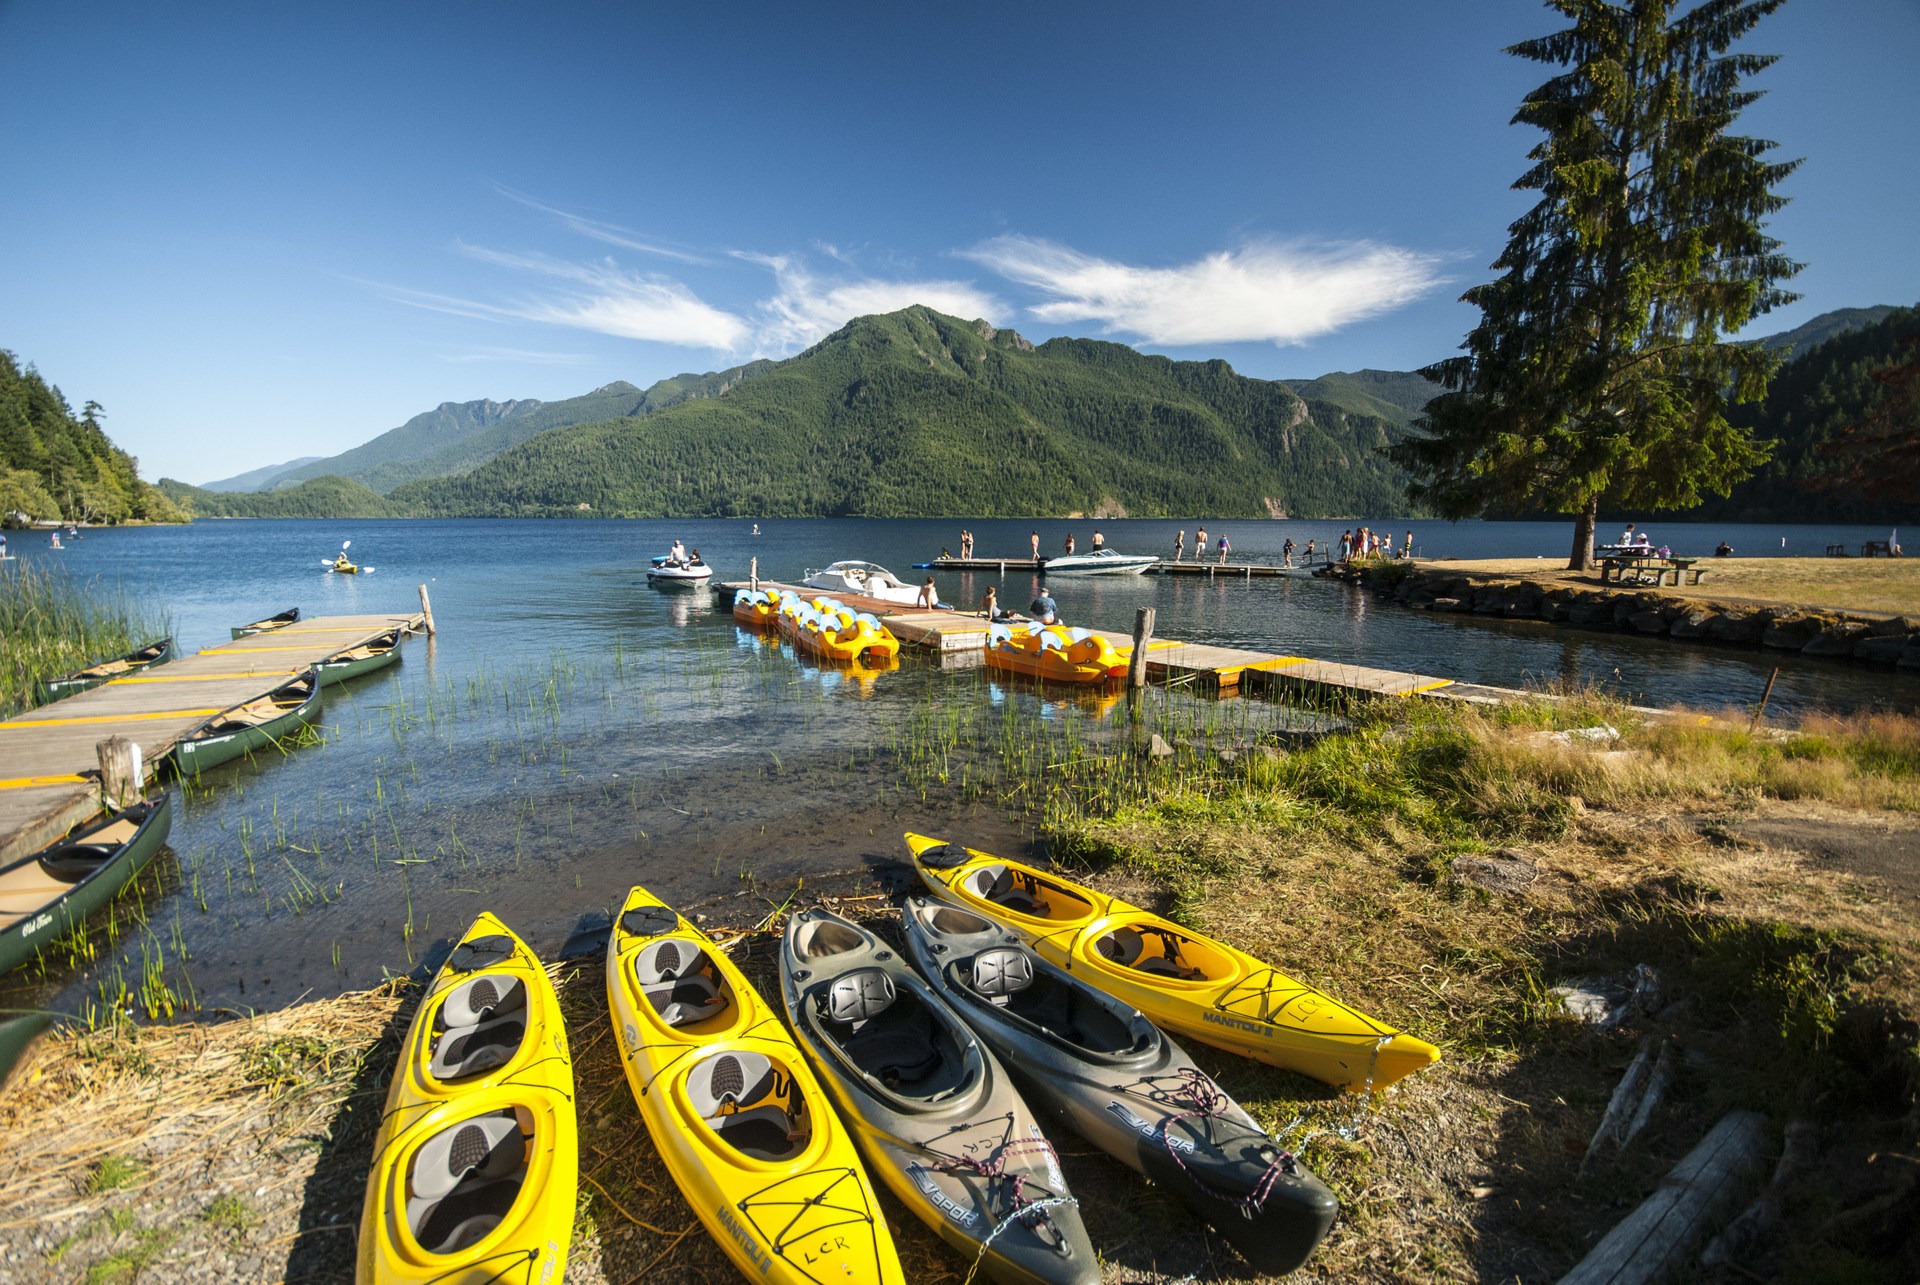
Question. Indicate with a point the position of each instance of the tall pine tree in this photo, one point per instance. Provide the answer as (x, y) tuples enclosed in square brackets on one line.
[(1598, 374)]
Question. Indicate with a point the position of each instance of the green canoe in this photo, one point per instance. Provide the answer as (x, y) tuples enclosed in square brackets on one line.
[(375, 653), (44, 895), (52, 689), (280, 621), (254, 725)]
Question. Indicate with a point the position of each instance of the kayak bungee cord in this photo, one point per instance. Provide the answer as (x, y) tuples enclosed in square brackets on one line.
[(1210, 1102)]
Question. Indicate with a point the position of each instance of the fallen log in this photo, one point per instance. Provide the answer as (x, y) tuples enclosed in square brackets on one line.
[(1658, 1236)]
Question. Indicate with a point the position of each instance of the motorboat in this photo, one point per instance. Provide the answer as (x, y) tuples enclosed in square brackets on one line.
[(667, 573), (866, 578), (1101, 562)]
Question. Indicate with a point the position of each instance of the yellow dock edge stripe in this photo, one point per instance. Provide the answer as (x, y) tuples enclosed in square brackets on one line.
[(1278, 662), (242, 651), (1433, 686), (28, 782), (112, 718), (206, 678)]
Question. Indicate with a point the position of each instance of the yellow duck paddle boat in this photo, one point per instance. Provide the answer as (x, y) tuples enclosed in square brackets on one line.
[(1192, 985), (477, 1160), (1054, 654), (757, 608), (745, 1129), (831, 631)]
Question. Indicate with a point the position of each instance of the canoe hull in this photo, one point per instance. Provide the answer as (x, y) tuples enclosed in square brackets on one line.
[(27, 937), (213, 743), (516, 1096), (381, 652), (747, 1201), (280, 621), (1191, 985), (106, 671)]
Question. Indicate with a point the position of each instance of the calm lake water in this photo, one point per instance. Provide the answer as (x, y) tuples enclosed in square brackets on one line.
[(572, 731)]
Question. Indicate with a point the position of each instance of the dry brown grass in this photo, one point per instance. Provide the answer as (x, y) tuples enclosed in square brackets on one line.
[(1868, 586)]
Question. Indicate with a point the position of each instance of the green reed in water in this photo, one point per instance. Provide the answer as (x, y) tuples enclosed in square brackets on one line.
[(53, 626)]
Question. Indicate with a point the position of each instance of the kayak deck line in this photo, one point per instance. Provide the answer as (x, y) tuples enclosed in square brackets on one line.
[(49, 758), (1214, 669)]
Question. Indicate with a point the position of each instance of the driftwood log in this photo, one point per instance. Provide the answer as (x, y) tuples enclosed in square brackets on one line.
[(1657, 1237)]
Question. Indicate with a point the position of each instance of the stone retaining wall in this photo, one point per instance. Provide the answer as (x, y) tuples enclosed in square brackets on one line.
[(1889, 642)]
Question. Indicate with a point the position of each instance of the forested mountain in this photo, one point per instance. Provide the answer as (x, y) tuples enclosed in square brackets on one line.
[(920, 413), (323, 497), (1798, 342), (54, 466), (1810, 401), (457, 436), (1393, 395)]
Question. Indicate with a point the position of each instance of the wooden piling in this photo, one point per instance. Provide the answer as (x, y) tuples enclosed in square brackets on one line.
[(120, 771), (753, 575), (1143, 618), (426, 610)]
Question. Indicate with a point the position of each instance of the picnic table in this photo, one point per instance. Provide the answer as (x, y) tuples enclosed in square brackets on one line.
[(1634, 567)]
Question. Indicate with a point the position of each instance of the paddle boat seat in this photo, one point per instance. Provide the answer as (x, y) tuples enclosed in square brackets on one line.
[(734, 1094), (996, 884), (485, 1020), (465, 1179), (678, 980), (1127, 947)]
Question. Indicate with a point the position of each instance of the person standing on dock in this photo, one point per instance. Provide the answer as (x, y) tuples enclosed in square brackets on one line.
[(1224, 546), (1346, 544), (1286, 553), (1036, 546), (1309, 550), (1179, 545), (1406, 545), (966, 544), (1200, 545), (1069, 544)]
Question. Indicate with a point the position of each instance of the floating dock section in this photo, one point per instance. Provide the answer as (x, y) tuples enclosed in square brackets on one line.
[(1210, 668), (1243, 570), (49, 759)]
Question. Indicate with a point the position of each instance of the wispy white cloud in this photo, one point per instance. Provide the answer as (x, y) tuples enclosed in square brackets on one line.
[(1278, 292), (519, 356), (805, 309), (610, 233)]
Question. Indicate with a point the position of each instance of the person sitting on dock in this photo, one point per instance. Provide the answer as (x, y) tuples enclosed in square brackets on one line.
[(929, 599), (1044, 608), (990, 607)]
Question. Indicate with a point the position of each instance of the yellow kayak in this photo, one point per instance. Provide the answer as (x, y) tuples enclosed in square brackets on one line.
[(477, 1159), (1192, 985), (735, 1111), (1054, 654)]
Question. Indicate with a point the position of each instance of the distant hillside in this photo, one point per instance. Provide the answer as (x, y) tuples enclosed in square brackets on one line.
[(920, 413), (457, 436), (1801, 340), (1393, 395), (323, 497), (56, 466), (1831, 385), (261, 478)]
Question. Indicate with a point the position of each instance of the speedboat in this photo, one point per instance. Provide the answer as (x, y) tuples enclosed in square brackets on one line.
[(1101, 562), (677, 575), (867, 578)]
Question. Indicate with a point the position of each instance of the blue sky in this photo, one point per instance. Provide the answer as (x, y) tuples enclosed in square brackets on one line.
[(256, 232)]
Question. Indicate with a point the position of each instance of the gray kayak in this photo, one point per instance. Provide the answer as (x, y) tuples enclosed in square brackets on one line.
[(935, 1115), (1117, 1080)]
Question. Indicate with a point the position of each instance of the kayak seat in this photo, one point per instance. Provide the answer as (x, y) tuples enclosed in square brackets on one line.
[(1126, 947), (735, 1093), (678, 980), (464, 1180), (480, 1026), (896, 1044), (999, 974), (996, 884)]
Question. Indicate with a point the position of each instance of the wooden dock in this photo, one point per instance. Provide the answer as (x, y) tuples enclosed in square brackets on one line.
[(48, 757), (1245, 570), (1210, 668)]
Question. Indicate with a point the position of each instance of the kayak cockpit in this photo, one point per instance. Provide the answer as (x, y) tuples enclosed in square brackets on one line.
[(751, 1103), (479, 1027), (1150, 947), (464, 1180), (1023, 892), (1006, 977), (892, 1037), (681, 983)]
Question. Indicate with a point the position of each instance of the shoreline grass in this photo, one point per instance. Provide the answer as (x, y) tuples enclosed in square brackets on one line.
[(50, 625), (1870, 586)]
